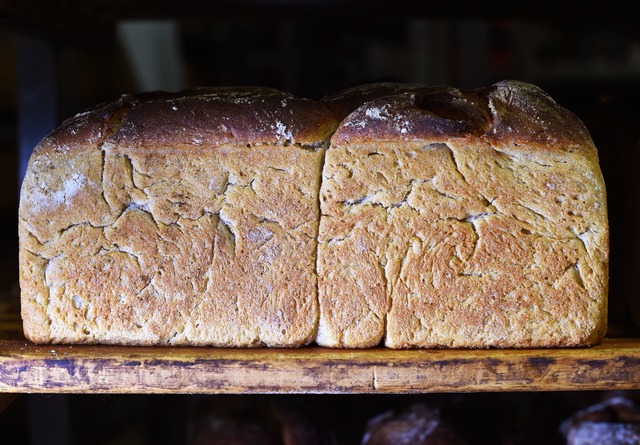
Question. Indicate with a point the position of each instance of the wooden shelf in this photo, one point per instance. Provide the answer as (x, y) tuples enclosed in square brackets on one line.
[(29, 368)]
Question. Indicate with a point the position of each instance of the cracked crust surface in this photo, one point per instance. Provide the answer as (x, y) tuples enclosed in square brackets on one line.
[(462, 219), (437, 218), (140, 222)]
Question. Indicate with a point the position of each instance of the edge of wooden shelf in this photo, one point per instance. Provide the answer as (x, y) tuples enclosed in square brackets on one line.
[(29, 368)]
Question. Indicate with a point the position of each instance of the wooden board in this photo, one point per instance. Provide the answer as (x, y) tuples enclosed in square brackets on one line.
[(29, 368)]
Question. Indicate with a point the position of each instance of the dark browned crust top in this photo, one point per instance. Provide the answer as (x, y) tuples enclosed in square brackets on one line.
[(87, 128), (349, 99), (525, 114), (217, 116), (197, 116), (506, 113)]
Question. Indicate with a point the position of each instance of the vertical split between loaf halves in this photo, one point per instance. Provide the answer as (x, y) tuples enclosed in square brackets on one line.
[(398, 214)]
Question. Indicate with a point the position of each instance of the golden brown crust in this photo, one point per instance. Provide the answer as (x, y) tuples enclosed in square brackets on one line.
[(449, 218), (134, 230), (463, 219)]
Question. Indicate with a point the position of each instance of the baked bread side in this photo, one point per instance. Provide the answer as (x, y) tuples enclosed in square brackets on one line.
[(183, 219), (463, 219)]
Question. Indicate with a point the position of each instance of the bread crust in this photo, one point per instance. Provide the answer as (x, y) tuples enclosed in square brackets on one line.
[(143, 221), (437, 217), (226, 116), (463, 219), (507, 113)]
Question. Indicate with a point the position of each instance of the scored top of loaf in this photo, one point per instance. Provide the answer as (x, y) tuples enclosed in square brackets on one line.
[(197, 116), (506, 112)]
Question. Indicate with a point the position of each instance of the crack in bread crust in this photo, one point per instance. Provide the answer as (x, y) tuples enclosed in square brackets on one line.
[(494, 236), (498, 261), (182, 243), (429, 217)]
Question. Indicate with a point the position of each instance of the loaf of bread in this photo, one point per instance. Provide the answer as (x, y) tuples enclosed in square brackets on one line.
[(614, 421), (182, 219), (396, 214), (462, 219), (418, 424)]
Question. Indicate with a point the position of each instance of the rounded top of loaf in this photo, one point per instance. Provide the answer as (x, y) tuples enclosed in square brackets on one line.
[(506, 113), (87, 128), (244, 115), (225, 115)]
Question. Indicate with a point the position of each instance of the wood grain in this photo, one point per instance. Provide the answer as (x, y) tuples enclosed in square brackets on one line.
[(29, 368)]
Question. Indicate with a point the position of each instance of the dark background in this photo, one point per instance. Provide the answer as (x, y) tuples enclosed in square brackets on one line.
[(58, 58)]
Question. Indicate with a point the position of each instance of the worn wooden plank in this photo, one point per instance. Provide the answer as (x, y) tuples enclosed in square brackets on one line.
[(29, 368), (24, 367)]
